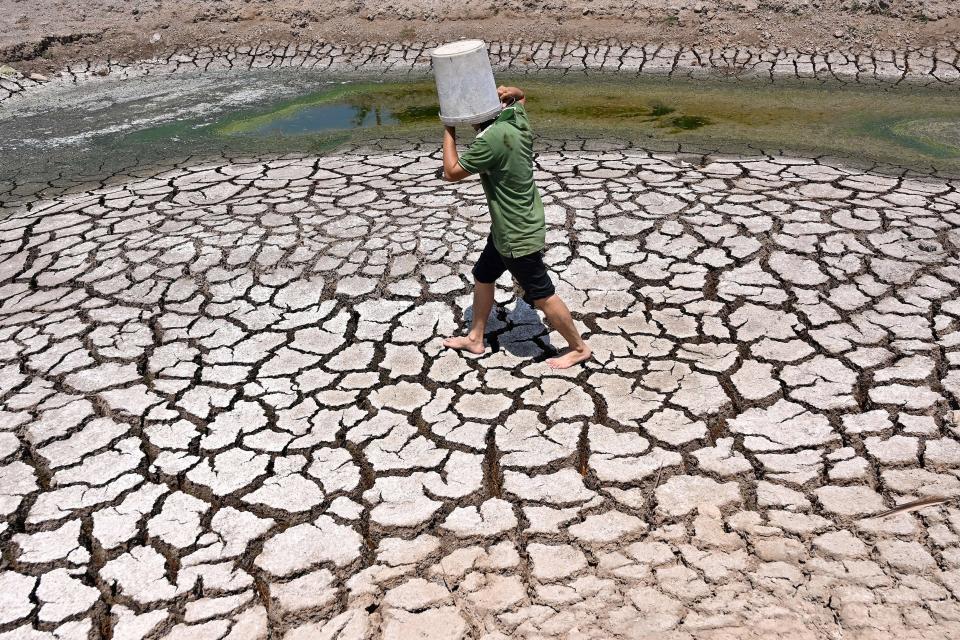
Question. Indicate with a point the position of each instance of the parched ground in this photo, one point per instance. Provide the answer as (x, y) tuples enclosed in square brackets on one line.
[(226, 412), (44, 35), (917, 67)]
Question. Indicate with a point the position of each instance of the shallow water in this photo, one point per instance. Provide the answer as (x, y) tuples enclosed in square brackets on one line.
[(328, 117), (62, 133)]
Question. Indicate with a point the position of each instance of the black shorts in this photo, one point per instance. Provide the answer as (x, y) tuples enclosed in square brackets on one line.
[(528, 271)]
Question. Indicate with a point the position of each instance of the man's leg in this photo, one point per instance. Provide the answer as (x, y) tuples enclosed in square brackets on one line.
[(482, 305), (559, 318), (489, 267), (531, 273)]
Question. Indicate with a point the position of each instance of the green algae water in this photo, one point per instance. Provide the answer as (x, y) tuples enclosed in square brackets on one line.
[(914, 128), (92, 129)]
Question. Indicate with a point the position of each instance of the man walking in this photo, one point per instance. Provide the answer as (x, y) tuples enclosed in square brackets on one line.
[(502, 154)]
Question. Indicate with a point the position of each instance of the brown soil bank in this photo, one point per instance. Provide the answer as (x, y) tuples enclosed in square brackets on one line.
[(43, 34)]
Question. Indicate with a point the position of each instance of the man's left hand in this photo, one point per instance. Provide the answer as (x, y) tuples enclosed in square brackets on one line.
[(509, 95)]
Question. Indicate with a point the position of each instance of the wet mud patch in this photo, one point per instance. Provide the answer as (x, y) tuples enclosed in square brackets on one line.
[(689, 123), (937, 138)]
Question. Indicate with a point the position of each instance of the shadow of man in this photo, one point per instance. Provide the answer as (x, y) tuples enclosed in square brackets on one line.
[(519, 330)]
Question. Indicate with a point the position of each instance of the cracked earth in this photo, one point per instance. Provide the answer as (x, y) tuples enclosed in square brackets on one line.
[(226, 412), (932, 66)]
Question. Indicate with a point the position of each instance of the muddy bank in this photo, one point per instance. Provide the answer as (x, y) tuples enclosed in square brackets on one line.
[(935, 67), (46, 34)]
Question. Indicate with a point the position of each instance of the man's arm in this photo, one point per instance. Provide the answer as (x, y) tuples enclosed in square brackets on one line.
[(452, 171)]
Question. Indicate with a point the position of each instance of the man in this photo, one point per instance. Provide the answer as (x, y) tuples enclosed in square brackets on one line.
[(503, 156)]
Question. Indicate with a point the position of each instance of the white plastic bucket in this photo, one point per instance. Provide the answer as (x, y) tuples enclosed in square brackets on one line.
[(465, 84)]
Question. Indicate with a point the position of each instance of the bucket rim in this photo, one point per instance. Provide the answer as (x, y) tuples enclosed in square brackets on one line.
[(473, 119), (476, 44)]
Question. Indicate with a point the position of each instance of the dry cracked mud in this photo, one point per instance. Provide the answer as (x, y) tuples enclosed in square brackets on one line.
[(935, 66), (226, 412), (45, 33)]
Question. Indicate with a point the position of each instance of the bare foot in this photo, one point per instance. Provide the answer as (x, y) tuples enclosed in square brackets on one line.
[(465, 343), (570, 358)]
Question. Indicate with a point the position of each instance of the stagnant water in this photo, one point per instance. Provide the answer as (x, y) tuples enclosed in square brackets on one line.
[(62, 134)]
